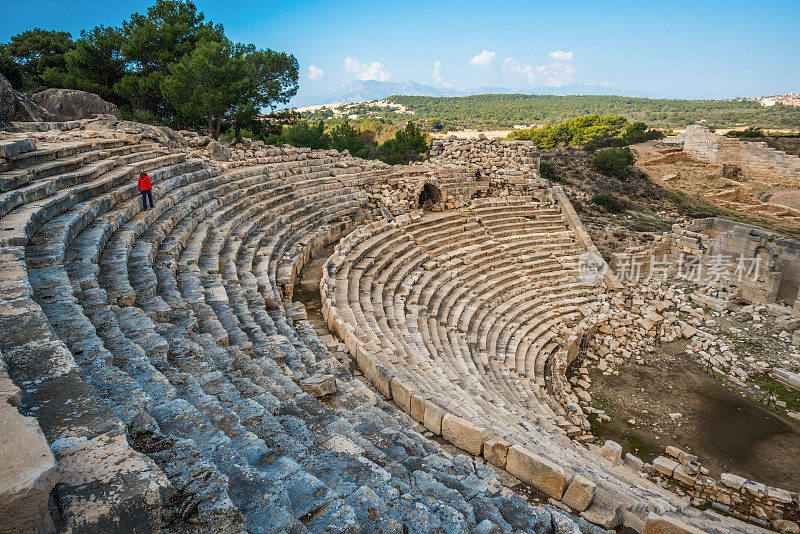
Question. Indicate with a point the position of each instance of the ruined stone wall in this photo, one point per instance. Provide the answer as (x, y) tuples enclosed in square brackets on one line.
[(780, 257), (756, 158), (491, 156), (769, 264)]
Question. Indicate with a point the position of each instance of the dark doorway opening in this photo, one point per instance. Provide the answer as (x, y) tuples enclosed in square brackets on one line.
[(429, 196)]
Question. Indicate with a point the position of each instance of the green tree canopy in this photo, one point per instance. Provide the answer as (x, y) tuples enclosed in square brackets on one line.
[(345, 137), (271, 80), (168, 66), (306, 134), (38, 50), (170, 30), (408, 145), (10, 68), (208, 82), (95, 64)]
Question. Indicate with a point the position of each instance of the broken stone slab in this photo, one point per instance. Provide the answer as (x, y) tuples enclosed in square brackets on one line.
[(667, 525), (605, 510), (495, 451), (685, 458), (665, 466), (634, 462), (28, 475), (612, 451), (580, 493), (675, 452), (319, 385), (536, 471), (463, 434), (432, 418), (681, 475), (732, 481)]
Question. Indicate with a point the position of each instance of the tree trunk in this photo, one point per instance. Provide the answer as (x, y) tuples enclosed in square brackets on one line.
[(211, 128), (216, 132)]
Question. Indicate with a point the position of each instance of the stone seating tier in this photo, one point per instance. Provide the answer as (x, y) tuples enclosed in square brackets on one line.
[(157, 355)]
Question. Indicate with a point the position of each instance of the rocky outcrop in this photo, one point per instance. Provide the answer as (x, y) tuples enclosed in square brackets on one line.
[(27, 110), (111, 126), (16, 106), (71, 104), (7, 100), (29, 469), (218, 151)]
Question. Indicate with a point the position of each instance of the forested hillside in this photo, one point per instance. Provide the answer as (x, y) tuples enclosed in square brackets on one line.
[(505, 111)]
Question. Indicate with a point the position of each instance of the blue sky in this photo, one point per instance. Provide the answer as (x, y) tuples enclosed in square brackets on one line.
[(683, 49)]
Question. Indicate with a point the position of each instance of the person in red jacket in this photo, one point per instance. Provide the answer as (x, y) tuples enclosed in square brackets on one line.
[(146, 189)]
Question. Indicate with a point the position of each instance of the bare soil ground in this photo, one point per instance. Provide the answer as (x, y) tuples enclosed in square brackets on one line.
[(664, 188), (672, 169), (727, 430)]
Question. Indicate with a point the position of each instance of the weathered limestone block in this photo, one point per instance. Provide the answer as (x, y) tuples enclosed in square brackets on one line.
[(580, 493), (612, 451), (605, 509), (540, 473), (495, 451), (633, 462), (319, 385), (29, 468), (418, 408), (732, 481), (401, 394), (667, 525), (665, 466), (463, 434), (140, 488), (432, 418), (681, 475)]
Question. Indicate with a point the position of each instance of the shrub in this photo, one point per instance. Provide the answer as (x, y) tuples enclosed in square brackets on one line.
[(611, 203), (548, 171), (751, 132), (308, 135), (613, 161), (408, 145)]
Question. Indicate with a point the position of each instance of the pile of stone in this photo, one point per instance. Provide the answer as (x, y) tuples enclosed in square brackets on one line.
[(490, 156), (737, 496), (631, 321)]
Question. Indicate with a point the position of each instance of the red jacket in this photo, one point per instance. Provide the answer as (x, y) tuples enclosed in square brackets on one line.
[(144, 183)]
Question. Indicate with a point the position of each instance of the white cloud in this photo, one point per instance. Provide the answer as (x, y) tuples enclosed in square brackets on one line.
[(558, 72), (437, 74), (562, 57), (315, 73), (366, 71), (483, 60), (513, 67)]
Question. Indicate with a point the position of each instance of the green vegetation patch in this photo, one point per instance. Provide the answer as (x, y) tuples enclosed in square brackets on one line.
[(613, 161), (591, 132), (505, 111), (609, 202)]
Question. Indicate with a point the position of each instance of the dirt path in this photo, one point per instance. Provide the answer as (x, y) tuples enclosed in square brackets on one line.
[(728, 432)]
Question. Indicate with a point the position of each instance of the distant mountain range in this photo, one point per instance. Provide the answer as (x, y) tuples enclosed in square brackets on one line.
[(364, 91)]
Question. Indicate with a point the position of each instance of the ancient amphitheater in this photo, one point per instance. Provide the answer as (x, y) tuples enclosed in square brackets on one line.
[(158, 375)]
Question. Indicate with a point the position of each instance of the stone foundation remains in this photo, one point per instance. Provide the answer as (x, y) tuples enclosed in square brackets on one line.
[(756, 158)]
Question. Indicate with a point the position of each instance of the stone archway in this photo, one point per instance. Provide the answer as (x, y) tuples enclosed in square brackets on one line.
[(428, 195)]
